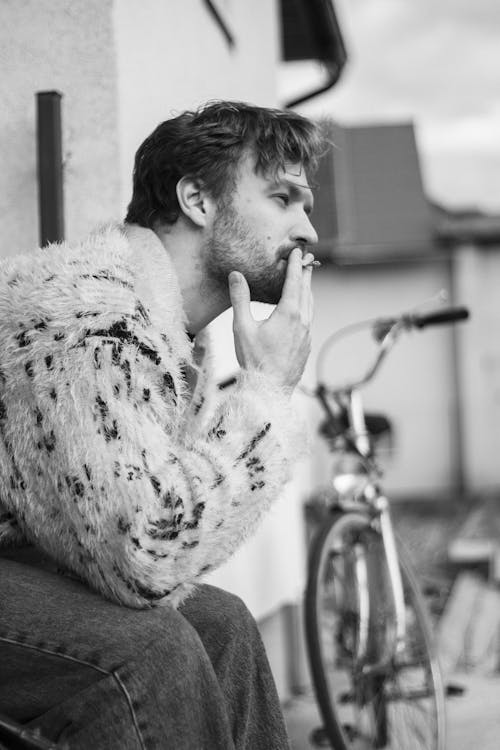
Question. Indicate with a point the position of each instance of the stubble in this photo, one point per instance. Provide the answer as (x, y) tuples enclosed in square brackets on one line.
[(233, 246)]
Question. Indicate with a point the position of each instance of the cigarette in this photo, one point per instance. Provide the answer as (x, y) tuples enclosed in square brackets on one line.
[(315, 263)]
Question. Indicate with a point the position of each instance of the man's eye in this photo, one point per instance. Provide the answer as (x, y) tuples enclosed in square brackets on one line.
[(283, 197)]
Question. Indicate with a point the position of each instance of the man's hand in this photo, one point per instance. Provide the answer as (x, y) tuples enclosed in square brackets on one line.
[(279, 346)]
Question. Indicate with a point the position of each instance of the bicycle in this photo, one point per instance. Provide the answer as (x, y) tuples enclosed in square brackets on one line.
[(374, 667)]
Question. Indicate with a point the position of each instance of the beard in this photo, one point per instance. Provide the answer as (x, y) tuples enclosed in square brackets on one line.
[(233, 246)]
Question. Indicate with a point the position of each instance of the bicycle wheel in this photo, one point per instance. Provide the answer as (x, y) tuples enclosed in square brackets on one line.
[(400, 705)]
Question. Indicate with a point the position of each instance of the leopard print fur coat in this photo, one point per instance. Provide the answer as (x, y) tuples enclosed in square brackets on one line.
[(108, 463)]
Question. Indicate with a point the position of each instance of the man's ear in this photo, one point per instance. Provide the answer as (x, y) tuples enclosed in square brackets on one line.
[(193, 199)]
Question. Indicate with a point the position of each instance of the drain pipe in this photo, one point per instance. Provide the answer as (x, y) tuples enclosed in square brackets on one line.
[(333, 73), (50, 167)]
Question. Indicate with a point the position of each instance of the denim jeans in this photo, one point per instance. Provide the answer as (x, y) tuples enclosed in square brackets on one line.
[(92, 674)]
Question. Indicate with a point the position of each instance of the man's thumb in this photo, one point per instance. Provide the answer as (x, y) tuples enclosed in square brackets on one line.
[(239, 294)]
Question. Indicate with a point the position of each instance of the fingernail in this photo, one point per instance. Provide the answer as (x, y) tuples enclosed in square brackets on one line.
[(234, 278)]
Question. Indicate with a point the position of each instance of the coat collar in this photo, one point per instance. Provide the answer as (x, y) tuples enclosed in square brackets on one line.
[(158, 285)]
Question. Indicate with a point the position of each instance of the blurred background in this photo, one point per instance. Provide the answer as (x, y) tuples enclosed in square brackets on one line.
[(407, 205)]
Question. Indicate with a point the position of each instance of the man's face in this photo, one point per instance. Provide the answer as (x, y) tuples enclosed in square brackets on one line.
[(255, 232)]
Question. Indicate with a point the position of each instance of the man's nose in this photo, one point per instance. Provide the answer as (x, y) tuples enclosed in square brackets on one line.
[(305, 233)]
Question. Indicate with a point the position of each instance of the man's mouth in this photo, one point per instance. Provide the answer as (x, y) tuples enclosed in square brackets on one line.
[(286, 254), (308, 259)]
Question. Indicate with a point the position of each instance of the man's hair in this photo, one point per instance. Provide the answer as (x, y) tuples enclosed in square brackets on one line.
[(208, 145)]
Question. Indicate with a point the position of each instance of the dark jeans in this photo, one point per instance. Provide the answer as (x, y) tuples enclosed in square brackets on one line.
[(99, 676)]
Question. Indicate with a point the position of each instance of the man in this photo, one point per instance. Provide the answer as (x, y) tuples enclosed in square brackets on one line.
[(119, 464)]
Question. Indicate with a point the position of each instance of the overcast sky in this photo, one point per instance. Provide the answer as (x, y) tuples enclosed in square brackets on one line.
[(436, 62)]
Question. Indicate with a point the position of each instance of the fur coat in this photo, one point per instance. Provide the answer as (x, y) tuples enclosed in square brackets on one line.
[(108, 463)]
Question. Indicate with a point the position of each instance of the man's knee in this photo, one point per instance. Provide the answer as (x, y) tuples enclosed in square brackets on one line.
[(230, 610), (221, 615), (168, 643), (163, 632)]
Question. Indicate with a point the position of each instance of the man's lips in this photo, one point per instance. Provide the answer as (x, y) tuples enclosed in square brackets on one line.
[(285, 254)]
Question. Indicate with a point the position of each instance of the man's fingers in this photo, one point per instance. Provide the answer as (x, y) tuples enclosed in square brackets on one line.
[(306, 296), (239, 294), (307, 260), (291, 293)]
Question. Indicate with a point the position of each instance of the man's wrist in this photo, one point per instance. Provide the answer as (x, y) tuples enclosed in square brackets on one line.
[(272, 379)]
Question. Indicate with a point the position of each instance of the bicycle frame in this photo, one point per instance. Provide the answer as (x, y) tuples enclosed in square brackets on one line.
[(371, 501), (377, 505)]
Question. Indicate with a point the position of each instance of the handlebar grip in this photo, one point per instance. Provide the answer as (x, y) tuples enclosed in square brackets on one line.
[(450, 315)]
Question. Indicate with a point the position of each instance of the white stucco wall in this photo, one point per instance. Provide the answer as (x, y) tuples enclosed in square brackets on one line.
[(64, 46)]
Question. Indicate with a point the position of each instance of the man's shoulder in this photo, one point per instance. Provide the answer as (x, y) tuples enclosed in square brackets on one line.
[(107, 277), (63, 276), (105, 242), (105, 246)]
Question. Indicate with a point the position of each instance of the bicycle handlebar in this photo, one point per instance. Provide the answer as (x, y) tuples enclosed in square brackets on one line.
[(382, 326), (386, 331), (451, 315)]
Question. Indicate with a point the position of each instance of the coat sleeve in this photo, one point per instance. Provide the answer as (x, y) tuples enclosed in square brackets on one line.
[(136, 496)]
